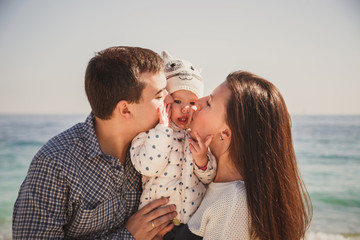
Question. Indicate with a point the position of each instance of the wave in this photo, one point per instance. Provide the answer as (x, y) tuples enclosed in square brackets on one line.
[(21, 143), (329, 236), (339, 157), (341, 202)]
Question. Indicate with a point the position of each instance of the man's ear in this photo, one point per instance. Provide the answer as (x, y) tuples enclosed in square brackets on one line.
[(123, 108), (226, 133)]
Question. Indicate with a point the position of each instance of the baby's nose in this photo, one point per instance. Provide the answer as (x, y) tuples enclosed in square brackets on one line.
[(186, 109)]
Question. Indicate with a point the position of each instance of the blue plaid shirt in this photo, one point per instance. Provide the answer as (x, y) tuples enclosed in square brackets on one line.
[(74, 190)]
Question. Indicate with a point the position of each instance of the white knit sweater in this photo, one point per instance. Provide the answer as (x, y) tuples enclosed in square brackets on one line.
[(162, 155), (223, 213)]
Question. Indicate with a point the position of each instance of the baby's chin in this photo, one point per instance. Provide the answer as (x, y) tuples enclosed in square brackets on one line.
[(182, 125), (192, 135)]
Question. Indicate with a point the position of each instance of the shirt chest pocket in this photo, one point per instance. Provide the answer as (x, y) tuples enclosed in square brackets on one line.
[(92, 218)]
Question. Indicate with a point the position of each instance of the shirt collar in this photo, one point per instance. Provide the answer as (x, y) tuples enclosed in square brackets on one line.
[(91, 142)]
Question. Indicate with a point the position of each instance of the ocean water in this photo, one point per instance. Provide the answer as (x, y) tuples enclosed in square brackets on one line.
[(327, 148), (328, 152)]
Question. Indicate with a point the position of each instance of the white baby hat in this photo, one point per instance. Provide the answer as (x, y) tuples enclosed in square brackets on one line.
[(182, 75)]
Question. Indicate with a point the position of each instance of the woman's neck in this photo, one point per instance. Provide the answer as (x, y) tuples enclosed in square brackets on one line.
[(226, 170)]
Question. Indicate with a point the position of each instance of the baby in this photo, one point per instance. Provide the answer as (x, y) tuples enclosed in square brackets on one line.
[(162, 155)]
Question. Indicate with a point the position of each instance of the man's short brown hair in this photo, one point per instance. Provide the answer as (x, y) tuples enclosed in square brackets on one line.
[(114, 75)]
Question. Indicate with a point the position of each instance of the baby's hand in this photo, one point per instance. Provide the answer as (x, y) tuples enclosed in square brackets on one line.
[(164, 114), (199, 149)]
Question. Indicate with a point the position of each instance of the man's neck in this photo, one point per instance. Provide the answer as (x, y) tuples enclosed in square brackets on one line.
[(114, 138)]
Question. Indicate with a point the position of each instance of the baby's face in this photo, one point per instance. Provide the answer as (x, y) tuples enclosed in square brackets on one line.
[(183, 108)]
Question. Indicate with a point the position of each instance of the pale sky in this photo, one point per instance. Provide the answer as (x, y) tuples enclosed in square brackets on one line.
[(309, 49)]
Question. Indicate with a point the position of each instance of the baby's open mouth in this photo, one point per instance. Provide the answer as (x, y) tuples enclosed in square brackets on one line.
[(183, 120)]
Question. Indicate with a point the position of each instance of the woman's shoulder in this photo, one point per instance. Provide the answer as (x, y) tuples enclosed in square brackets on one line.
[(227, 193), (228, 187), (224, 212)]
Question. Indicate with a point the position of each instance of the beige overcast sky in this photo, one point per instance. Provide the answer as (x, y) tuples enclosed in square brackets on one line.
[(309, 49)]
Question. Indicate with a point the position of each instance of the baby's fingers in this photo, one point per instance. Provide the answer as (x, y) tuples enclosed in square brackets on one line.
[(199, 140), (158, 110), (194, 147), (208, 140), (168, 110)]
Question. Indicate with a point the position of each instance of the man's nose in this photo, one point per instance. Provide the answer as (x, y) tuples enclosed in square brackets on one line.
[(168, 98)]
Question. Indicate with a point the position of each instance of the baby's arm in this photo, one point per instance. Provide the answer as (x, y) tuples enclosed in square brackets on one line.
[(150, 150), (205, 162), (207, 174)]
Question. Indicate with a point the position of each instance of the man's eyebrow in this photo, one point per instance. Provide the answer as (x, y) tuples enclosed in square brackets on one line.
[(160, 91)]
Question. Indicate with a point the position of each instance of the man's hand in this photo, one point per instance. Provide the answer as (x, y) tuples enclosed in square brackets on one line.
[(199, 149), (152, 220)]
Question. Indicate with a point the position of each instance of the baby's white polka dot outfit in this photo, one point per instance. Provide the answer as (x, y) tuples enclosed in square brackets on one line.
[(162, 155)]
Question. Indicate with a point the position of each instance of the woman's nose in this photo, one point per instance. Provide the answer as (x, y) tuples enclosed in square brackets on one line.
[(200, 103)]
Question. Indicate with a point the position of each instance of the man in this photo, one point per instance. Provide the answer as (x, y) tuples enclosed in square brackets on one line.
[(81, 184)]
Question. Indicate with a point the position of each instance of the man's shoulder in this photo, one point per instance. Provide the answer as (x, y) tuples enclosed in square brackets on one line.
[(66, 143)]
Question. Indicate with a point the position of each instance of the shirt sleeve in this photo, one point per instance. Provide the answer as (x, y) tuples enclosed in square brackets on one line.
[(150, 150), (39, 210), (206, 176)]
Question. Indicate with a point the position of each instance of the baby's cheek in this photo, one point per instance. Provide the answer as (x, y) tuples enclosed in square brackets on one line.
[(194, 108), (173, 117)]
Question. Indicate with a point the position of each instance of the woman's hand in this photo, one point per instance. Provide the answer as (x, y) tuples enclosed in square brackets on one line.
[(199, 149)]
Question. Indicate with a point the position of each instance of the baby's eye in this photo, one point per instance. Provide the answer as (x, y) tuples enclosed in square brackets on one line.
[(177, 101), (192, 103)]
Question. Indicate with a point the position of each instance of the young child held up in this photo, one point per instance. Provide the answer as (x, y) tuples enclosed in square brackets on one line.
[(171, 164)]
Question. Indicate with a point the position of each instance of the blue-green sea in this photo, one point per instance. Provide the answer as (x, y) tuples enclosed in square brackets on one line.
[(327, 149)]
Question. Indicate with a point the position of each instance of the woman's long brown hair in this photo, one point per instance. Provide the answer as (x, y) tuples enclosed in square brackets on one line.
[(262, 150)]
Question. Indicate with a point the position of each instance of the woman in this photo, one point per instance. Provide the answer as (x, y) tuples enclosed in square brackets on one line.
[(258, 192)]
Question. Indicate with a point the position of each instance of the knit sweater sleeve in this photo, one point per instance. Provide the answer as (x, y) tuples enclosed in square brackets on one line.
[(223, 214), (208, 175), (150, 150)]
